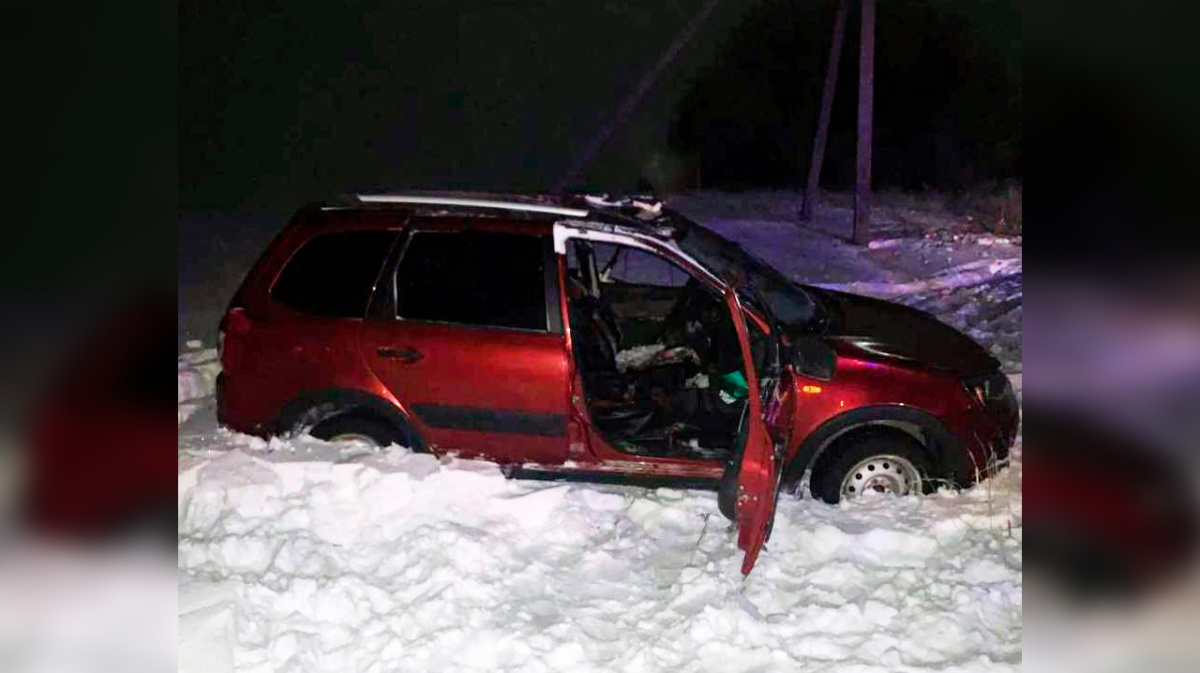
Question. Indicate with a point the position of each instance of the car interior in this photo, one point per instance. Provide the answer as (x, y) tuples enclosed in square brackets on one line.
[(657, 351)]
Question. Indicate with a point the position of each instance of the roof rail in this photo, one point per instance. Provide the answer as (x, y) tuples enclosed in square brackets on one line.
[(470, 203)]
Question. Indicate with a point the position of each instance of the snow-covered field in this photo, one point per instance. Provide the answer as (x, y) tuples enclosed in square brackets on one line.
[(302, 556)]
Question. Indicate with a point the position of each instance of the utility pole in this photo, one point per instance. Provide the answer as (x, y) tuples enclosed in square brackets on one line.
[(812, 189), (647, 82), (866, 77)]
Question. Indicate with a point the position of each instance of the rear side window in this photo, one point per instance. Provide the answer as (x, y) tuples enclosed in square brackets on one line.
[(473, 278), (332, 275)]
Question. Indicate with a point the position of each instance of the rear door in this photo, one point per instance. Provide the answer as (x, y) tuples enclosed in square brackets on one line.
[(466, 333), (758, 473)]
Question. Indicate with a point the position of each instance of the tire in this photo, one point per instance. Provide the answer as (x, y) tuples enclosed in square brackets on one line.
[(377, 432), (841, 457), (727, 491)]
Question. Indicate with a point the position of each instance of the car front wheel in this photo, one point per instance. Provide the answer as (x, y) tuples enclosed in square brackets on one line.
[(884, 464)]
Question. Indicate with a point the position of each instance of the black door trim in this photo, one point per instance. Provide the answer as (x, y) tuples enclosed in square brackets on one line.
[(479, 419)]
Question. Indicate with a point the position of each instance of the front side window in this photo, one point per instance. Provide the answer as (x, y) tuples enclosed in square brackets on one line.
[(332, 275), (480, 278), (637, 267)]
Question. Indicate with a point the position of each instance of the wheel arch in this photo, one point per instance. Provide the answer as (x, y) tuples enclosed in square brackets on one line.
[(947, 451), (313, 407)]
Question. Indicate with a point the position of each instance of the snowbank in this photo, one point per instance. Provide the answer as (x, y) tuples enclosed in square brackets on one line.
[(197, 379), (396, 561)]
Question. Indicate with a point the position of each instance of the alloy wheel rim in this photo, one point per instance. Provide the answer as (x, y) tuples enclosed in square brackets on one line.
[(881, 475)]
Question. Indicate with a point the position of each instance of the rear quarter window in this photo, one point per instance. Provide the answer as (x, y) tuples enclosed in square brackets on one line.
[(332, 275)]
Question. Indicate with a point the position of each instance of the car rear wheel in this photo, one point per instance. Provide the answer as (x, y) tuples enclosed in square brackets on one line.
[(355, 429), (882, 464)]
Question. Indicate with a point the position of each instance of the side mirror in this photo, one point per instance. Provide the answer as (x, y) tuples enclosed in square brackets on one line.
[(812, 357)]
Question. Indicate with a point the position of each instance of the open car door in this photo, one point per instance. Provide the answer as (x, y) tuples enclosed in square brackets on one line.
[(758, 473)]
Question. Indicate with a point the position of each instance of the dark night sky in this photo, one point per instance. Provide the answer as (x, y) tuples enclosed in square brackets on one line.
[(281, 99), (281, 102)]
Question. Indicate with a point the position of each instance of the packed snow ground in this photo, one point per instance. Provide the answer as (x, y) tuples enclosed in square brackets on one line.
[(304, 556)]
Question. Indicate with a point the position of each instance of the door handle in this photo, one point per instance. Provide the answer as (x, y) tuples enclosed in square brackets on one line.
[(406, 355)]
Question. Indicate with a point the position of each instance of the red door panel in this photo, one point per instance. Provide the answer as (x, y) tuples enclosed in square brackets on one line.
[(758, 474), (481, 392)]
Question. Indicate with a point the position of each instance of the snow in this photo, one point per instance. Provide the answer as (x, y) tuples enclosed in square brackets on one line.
[(640, 357), (304, 556), (398, 561), (198, 369), (207, 621)]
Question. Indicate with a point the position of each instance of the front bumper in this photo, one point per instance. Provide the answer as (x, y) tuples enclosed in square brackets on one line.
[(1003, 415)]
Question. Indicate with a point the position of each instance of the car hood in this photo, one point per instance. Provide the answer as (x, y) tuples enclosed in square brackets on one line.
[(887, 329)]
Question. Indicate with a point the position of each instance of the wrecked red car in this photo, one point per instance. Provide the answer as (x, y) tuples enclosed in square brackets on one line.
[(596, 339)]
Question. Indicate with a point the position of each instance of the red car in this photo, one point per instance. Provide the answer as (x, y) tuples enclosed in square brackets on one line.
[(600, 340)]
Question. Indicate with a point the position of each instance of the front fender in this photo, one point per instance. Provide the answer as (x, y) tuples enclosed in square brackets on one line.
[(947, 450)]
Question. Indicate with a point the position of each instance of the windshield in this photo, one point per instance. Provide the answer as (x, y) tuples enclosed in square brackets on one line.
[(787, 301)]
